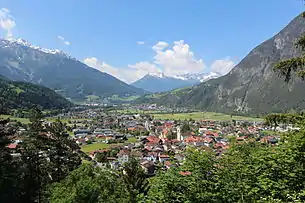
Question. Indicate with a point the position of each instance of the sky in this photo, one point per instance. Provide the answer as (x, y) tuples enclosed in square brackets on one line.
[(130, 38)]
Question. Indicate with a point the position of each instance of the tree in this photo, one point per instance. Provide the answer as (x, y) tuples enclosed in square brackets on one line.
[(185, 127), (191, 182), (297, 64), (135, 180), (48, 155), (101, 157), (89, 184), (9, 181)]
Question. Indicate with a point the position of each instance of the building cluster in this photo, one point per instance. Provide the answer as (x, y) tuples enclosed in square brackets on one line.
[(157, 144)]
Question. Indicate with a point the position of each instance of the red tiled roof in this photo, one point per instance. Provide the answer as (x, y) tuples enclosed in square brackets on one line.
[(165, 131), (167, 163), (208, 140), (193, 139), (12, 146), (185, 173), (153, 139), (220, 145), (164, 156), (151, 143), (123, 152), (241, 138)]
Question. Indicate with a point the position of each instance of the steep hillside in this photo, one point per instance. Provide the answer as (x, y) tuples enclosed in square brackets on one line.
[(251, 86), (26, 95), (21, 61)]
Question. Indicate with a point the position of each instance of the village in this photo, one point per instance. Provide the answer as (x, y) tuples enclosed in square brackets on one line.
[(111, 139)]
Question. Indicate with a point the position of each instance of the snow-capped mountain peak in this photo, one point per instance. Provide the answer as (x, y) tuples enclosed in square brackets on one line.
[(25, 43), (198, 76), (157, 75), (159, 82)]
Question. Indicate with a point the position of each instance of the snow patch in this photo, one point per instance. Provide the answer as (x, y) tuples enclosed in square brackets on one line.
[(25, 43)]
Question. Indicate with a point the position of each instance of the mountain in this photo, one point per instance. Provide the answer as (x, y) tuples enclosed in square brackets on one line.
[(201, 77), (251, 86), (21, 61), (161, 83), (15, 95)]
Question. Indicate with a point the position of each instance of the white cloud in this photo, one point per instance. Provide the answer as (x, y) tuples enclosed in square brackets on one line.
[(160, 46), (7, 22), (170, 60), (62, 39), (128, 75), (140, 42), (146, 67), (177, 60), (222, 66)]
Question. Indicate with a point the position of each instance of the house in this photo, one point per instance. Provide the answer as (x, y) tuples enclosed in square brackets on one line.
[(149, 167), (151, 139), (151, 156), (163, 158), (185, 173), (221, 146), (179, 157), (82, 132), (12, 146), (123, 156)]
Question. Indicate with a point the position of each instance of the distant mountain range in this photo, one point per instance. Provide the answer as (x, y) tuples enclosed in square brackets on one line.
[(250, 87), (14, 95), (161, 83), (21, 61)]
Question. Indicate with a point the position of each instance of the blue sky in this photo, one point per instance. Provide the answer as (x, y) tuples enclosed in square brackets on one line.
[(117, 36)]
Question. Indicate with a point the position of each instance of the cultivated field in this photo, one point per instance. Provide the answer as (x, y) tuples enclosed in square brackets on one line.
[(22, 120), (202, 116), (100, 145)]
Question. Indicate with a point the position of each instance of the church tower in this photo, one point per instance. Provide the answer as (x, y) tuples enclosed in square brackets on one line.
[(179, 137)]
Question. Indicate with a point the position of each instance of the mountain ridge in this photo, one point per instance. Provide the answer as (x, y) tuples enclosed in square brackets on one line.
[(161, 83), (251, 86), (21, 61)]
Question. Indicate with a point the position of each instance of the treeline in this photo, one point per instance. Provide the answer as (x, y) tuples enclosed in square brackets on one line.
[(23, 95)]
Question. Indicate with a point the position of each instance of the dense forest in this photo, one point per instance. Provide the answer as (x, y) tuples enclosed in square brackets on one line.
[(14, 95)]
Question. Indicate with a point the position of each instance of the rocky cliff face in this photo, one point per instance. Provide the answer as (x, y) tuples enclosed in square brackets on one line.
[(252, 86)]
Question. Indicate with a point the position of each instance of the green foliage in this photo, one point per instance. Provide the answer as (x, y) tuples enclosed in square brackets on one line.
[(185, 127), (133, 176), (250, 172), (197, 186), (89, 184), (46, 155), (15, 95), (101, 157), (94, 184)]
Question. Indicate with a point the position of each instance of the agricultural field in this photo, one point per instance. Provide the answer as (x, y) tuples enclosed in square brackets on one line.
[(22, 120), (202, 116), (26, 120), (100, 145)]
